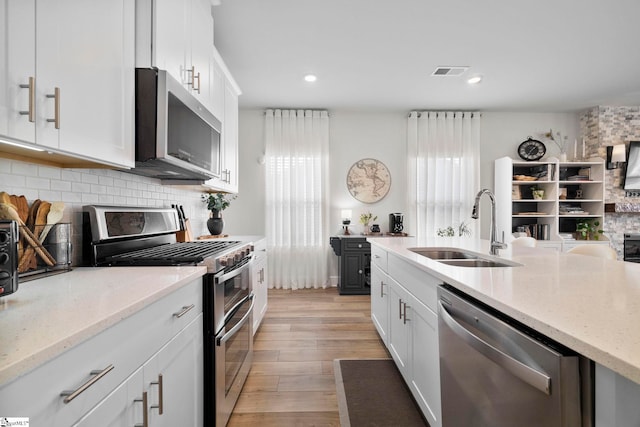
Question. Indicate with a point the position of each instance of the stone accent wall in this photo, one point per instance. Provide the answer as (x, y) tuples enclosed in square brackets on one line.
[(603, 126)]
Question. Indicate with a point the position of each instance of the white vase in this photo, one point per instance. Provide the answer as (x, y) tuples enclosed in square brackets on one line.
[(563, 156)]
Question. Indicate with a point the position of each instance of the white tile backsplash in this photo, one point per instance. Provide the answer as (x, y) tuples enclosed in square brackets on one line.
[(79, 187)]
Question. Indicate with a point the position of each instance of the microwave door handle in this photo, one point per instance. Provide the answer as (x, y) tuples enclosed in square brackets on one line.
[(528, 374), (221, 277), (239, 325)]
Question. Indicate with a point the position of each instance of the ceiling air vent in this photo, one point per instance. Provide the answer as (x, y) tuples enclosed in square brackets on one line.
[(449, 71)]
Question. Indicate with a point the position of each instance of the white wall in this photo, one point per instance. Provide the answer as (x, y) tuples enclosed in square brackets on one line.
[(357, 135), (380, 135)]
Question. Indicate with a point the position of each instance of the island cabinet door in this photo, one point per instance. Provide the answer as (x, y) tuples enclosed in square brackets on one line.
[(424, 360), (380, 302), (398, 328)]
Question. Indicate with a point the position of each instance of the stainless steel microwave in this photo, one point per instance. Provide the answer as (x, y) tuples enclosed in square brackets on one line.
[(177, 138)]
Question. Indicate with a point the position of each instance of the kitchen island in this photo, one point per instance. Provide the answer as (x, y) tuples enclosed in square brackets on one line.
[(588, 304)]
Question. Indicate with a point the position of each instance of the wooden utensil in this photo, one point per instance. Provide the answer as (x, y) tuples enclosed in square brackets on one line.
[(8, 212), (23, 208), (53, 217), (33, 210), (28, 259), (5, 198)]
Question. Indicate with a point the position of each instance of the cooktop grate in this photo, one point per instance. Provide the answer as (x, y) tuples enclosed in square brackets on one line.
[(172, 254)]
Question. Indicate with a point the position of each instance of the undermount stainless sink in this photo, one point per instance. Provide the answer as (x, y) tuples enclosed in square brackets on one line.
[(476, 263), (461, 258), (442, 253)]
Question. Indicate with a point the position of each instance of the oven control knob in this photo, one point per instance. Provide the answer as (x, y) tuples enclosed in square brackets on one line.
[(237, 256), (223, 262)]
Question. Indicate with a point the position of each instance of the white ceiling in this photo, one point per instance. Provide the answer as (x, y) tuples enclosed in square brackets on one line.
[(534, 55)]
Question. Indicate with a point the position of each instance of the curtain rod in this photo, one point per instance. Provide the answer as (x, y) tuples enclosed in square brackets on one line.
[(419, 113), (297, 109)]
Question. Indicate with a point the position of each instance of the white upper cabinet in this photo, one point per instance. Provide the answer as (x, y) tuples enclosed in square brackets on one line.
[(70, 64), (225, 104), (86, 51), (177, 36), (17, 69)]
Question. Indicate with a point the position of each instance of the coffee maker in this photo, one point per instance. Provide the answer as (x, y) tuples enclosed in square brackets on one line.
[(395, 222)]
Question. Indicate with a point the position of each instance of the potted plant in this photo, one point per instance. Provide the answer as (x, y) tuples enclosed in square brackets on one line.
[(537, 193), (463, 230), (216, 203), (365, 219), (588, 229)]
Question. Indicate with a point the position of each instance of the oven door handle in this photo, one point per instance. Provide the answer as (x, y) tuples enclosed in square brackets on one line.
[(221, 277), (239, 325)]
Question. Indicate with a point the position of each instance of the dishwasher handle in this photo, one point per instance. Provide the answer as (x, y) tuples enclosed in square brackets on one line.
[(531, 376)]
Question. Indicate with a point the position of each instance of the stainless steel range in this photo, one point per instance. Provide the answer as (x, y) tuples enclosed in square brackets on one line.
[(126, 236)]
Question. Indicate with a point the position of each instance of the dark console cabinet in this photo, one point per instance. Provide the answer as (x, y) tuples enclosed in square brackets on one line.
[(355, 264)]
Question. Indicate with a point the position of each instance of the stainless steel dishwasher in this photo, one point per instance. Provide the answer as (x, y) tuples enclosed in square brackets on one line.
[(496, 372)]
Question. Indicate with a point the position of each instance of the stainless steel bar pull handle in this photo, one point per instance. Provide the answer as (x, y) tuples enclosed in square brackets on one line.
[(528, 374), (160, 404), (32, 99), (185, 310), (145, 410), (56, 106), (70, 395), (196, 76), (404, 315), (382, 289)]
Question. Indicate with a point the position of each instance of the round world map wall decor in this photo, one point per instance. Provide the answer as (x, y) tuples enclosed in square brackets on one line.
[(368, 180)]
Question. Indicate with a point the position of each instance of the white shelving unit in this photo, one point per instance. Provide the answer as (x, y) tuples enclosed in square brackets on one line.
[(573, 191)]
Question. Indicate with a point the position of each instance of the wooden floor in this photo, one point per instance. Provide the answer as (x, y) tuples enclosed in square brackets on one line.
[(291, 382)]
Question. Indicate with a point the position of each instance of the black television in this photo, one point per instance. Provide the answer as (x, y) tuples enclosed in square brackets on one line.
[(632, 175)]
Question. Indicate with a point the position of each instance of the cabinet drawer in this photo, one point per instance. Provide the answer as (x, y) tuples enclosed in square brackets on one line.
[(357, 245), (379, 257), (418, 282), (125, 346)]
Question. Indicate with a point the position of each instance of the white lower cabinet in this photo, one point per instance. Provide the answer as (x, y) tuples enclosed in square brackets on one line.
[(425, 360), (398, 329), (101, 381), (402, 309), (174, 380), (260, 283), (380, 301)]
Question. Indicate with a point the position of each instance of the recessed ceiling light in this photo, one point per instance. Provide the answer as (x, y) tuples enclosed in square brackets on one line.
[(474, 80), (310, 78)]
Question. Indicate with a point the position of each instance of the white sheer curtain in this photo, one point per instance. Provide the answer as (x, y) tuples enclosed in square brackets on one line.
[(444, 169), (297, 154)]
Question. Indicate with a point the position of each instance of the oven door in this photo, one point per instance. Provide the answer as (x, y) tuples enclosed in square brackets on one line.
[(233, 357)]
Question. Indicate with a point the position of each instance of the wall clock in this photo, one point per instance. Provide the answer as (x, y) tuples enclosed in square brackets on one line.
[(531, 150), (368, 180)]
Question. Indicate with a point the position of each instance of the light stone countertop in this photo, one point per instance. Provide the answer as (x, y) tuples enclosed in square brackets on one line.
[(47, 316), (589, 304)]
